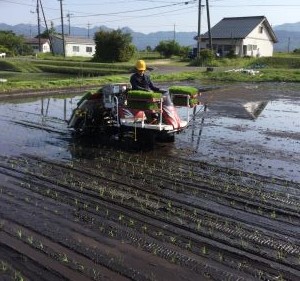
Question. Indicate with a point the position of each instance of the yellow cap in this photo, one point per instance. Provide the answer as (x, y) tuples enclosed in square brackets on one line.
[(140, 65)]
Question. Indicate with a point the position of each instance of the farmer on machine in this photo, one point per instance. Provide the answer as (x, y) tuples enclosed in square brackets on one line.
[(141, 81)]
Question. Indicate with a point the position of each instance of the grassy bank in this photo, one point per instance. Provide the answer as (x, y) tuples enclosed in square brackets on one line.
[(30, 73)]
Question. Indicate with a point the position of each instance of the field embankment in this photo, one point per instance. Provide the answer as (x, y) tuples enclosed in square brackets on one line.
[(23, 74)]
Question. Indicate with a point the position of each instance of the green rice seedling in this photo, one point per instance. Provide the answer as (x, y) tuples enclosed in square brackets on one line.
[(273, 214), (280, 255), (199, 224), (30, 240), (244, 244), (144, 228), (188, 246), (204, 250), (143, 95), (18, 276), (64, 258), (144, 100), (3, 266), (19, 233), (80, 267), (173, 239), (131, 222)]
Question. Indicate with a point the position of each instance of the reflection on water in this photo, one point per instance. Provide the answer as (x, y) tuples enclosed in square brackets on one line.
[(257, 130), (36, 126), (249, 134)]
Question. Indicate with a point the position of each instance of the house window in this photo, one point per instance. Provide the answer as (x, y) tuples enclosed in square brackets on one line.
[(76, 49), (260, 29), (254, 47), (89, 49), (249, 48)]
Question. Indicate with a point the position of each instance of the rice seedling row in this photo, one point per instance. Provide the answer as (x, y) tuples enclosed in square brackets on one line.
[(153, 215)]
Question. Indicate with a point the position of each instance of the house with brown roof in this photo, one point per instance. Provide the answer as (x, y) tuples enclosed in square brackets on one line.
[(74, 46), (35, 42), (242, 36)]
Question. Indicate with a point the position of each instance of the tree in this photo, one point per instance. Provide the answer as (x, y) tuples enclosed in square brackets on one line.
[(296, 51), (168, 48), (113, 46), (47, 33), (15, 44), (184, 52)]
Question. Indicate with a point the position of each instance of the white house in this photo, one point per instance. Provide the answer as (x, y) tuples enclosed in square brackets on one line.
[(244, 36), (74, 46), (34, 43)]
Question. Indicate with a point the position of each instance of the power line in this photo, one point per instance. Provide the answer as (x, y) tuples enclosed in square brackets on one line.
[(138, 10)]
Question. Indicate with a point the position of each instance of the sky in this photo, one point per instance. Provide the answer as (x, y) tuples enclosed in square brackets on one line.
[(146, 16)]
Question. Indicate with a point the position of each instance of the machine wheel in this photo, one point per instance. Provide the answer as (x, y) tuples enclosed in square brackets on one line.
[(145, 138), (79, 124), (168, 138)]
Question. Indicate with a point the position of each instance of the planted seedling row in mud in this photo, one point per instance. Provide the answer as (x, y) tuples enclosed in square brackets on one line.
[(115, 232), (168, 209)]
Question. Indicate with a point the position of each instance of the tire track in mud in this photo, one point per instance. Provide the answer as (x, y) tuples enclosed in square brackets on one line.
[(165, 220)]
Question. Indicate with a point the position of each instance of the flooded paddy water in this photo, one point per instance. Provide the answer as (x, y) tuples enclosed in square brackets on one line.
[(222, 202)]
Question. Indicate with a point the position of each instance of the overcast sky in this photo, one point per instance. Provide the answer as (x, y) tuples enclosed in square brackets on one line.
[(147, 15)]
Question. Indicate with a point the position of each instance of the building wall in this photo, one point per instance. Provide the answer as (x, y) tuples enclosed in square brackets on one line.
[(261, 38), (45, 48), (57, 45), (81, 50), (73, 49), (257, 48)]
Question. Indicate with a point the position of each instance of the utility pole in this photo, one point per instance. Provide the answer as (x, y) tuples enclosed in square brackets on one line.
[(199, 29), (69, 21), (289, 43), (208, 24), (39, 24), (88, 25), (62, 27), (49, 35), (174, 35)]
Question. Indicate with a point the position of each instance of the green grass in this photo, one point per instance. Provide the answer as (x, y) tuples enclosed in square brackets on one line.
[(57, 72), (264, 75)]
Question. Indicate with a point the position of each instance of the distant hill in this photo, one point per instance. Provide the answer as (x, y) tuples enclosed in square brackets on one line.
[(288, 41), (288, 35), (140, 40), (293, 27)]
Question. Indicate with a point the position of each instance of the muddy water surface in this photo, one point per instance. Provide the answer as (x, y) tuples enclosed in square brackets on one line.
[(250, 127)]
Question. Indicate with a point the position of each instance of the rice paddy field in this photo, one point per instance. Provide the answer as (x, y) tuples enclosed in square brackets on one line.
[(220, 203)]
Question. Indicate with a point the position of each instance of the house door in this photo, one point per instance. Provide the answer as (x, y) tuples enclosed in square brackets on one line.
[(244, 50)]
